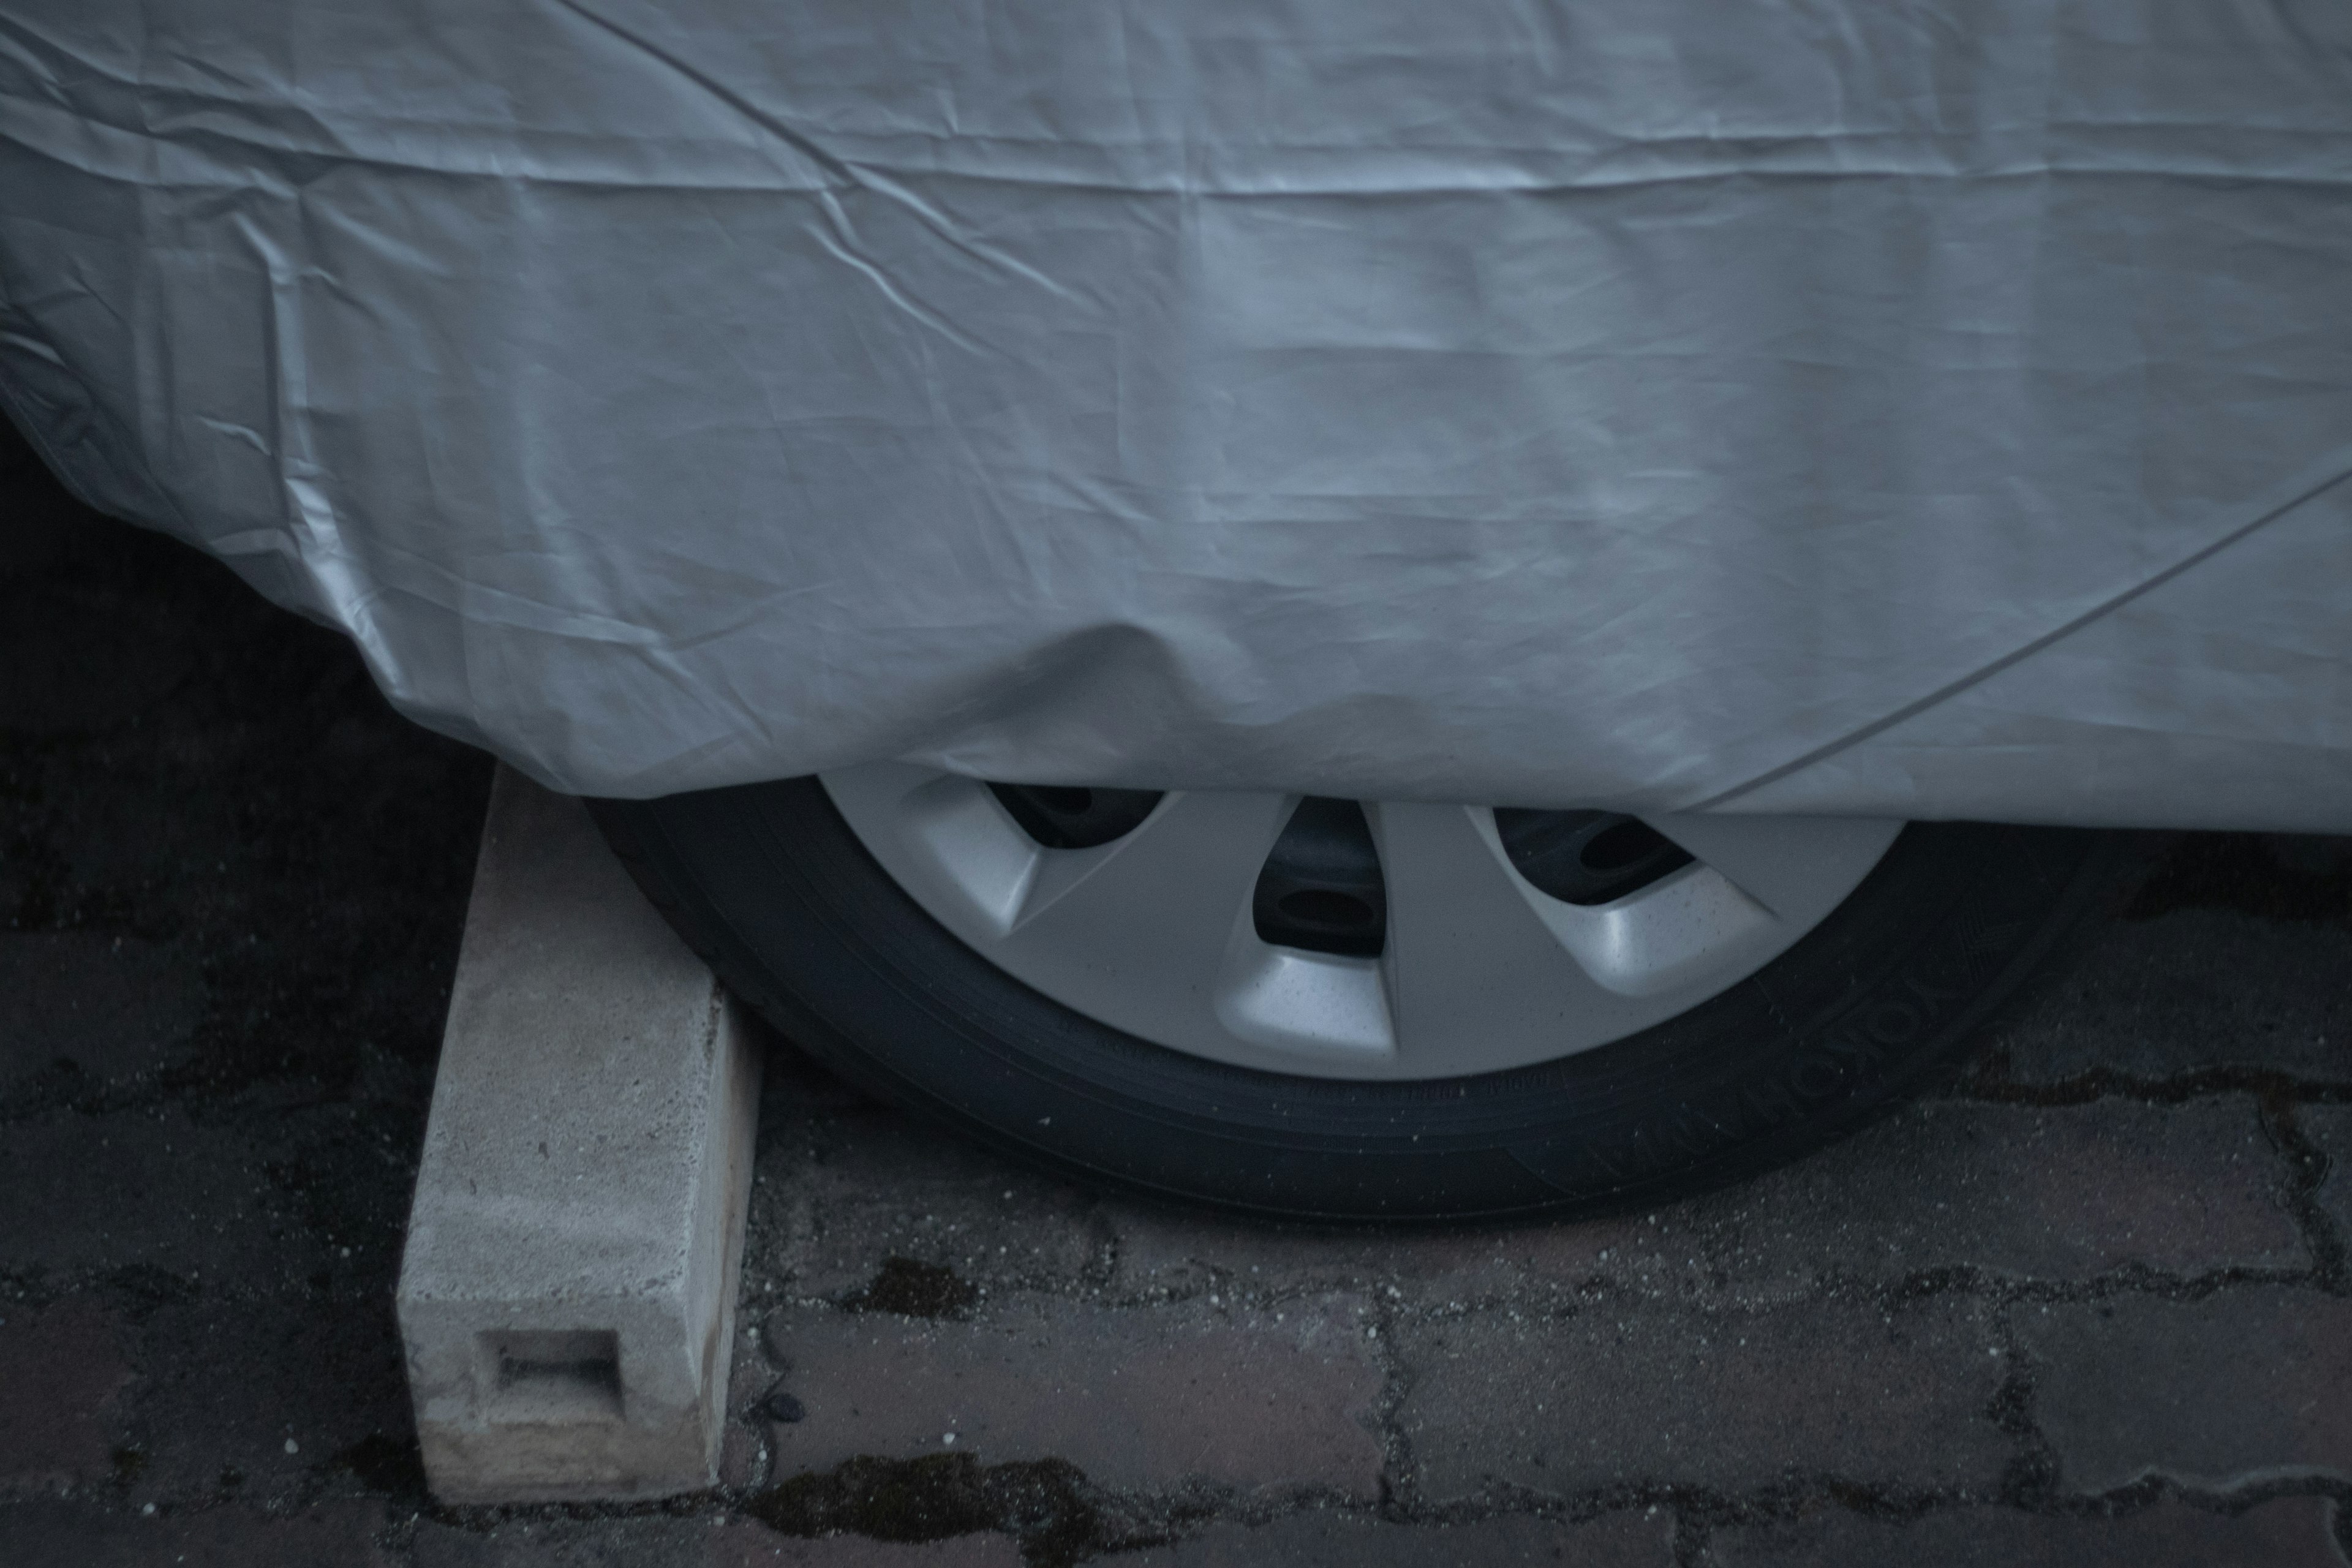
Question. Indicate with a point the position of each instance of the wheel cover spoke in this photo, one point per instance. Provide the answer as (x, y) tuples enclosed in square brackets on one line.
[(1467, 945), (1153, 934), (1162, 902)]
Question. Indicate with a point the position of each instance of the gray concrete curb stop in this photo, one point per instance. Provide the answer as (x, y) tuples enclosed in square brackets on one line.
[(568, 1294)]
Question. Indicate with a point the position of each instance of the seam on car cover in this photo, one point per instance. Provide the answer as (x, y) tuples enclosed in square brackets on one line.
[(2335, 468)]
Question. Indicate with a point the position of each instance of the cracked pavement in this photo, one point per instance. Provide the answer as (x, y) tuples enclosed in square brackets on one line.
[(2087, 1304)]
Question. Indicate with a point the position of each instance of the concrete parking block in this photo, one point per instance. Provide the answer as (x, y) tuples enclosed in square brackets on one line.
[(567, 1296)]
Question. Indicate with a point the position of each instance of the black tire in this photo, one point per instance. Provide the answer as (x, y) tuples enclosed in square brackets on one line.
[(768, 883)]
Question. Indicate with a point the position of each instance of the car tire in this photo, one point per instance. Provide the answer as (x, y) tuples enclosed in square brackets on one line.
[(772, 886)]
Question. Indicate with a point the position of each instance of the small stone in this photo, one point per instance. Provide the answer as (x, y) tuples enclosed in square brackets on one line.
[(292, 1446), (948, 1439), (782, 1406)]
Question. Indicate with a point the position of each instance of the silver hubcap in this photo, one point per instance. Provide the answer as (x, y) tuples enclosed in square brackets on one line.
[(1479, 971)]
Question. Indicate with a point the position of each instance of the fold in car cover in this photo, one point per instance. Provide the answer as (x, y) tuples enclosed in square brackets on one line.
[(1855, 407)]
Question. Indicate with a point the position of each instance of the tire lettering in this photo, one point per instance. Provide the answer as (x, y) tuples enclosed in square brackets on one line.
[(1894, 1022), (1817, 1075), (1860, 1054), (1771, 1101)]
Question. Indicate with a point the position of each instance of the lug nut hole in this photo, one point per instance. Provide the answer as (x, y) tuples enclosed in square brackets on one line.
[(1615, 849), (1333, 911)]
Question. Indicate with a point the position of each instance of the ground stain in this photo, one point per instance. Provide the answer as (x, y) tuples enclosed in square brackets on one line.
[(1042, 1503), (914, 1290)]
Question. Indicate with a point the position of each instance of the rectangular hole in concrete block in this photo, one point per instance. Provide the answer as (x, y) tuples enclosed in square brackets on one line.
[(561, 1376)]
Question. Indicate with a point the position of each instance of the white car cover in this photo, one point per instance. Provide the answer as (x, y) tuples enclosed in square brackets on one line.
[(1855, 407)]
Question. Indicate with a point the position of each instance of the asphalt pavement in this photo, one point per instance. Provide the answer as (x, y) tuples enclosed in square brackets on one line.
[(2088, 1304)]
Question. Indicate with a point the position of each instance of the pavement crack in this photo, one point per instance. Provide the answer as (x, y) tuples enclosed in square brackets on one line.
[(2267, 1085), (2307, 1169)]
